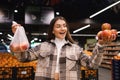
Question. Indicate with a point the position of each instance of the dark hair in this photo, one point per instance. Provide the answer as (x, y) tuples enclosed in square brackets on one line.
[(52, 36)]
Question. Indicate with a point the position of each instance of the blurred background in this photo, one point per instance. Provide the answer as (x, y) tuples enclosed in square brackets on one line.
[(86, 16), (35, 15)]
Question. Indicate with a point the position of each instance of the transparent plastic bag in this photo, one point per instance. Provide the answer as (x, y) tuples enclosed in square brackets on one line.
[(20, 41)]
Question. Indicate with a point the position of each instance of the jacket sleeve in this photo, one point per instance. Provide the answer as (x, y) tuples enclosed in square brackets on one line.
[(40, 51), (95, 59)]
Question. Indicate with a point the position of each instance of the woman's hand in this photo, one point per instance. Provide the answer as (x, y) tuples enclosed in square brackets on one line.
[(15, 26), (108, 39)]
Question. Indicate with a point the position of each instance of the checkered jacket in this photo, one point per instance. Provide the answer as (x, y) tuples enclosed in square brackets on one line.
[(71, 58)]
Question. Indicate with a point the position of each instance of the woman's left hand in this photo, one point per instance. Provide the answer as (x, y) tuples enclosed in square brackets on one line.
[(107, 39), (14, 27)]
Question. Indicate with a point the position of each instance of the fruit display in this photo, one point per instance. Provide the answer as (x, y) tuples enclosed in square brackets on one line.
[(106, 26), (9, 60), (117, 57), (106, 32), (87, 52)]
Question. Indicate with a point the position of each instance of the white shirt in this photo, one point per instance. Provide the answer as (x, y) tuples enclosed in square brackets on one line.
[(59, 43)]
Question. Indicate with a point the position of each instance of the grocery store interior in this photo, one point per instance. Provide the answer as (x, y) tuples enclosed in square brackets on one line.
[(84, 17)]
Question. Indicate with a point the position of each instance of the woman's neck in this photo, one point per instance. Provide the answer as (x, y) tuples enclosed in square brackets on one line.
[(59, 40)]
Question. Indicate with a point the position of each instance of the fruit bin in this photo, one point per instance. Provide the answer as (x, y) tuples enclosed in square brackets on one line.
[(6, 73), (17, 73), (115, 69), (89, 74), (24, 73)]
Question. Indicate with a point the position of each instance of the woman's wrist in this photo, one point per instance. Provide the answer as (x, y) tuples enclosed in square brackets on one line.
[(100, 45)]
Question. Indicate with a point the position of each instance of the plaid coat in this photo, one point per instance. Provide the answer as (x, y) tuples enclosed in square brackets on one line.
[(71, 58)]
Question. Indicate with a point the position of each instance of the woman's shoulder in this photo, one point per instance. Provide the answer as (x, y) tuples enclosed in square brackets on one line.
[(46, 43), (75, 45)]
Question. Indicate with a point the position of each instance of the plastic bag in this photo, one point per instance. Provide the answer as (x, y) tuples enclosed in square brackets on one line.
[(19, 42)]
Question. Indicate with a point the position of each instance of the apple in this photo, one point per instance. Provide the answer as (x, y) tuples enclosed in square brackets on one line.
[(117, 57), (106, 26), (106, 34), (114, 31), (15, 47), (99, 35), (24, 46)]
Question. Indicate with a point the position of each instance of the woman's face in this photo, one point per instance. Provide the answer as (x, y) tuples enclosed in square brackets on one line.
[(60, 29)]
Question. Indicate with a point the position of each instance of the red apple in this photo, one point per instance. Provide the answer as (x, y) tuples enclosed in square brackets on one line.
[(15, 47), (106, 26), (114, 31), (99, 35), (24, 46), (106, 34)]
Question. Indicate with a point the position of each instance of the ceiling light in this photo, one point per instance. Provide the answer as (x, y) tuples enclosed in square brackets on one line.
[(81, 28), (32, 41), (83, 34), (118, 32), (15, 11), (44, 33), (57, 13), (96, 15), (1, 33), (104, 9), (10, 36), (35, 39)]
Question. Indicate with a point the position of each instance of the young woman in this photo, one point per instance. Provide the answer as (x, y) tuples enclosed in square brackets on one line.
[(60, 58)]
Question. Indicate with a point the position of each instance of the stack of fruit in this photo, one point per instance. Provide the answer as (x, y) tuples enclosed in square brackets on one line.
[(106, 32), (9, 60), (117, 57)]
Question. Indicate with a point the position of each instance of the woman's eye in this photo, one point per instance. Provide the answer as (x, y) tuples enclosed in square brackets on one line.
[(58, 26), (64, 25)]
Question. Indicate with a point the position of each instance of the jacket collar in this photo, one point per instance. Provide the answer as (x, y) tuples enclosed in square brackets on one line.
[(66, 43)]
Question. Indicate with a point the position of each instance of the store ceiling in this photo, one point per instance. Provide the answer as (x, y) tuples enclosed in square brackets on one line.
[(77, 13)]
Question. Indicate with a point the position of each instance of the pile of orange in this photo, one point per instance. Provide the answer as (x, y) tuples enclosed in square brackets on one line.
[(9, 60), (117, 57), (87, 52)]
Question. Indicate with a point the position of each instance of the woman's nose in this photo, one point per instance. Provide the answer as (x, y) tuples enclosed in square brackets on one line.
[(62, 27)]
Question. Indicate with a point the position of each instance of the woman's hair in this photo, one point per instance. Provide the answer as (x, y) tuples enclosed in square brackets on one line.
[(50, 30)]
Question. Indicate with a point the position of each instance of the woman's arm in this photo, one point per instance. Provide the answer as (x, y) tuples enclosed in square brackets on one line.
[(40, 51), (28, 55), (95, 59), (97, 56)]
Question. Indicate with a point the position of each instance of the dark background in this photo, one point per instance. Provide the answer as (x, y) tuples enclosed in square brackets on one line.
[(75, 11)]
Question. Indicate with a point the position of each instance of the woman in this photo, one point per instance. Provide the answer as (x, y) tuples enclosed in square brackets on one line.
[(59, 58)]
